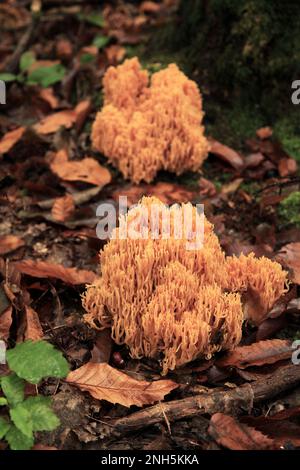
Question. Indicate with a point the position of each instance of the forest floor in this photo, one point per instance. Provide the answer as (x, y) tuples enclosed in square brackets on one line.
[(54, 64)]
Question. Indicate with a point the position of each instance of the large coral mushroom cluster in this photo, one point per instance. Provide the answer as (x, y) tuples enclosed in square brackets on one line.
[(168, 302), (145, 128)]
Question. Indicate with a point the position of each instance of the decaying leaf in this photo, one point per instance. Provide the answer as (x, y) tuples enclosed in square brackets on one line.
[(43, 269), (168, 193), (33, 328), (63, 208), (47, 95), (257, 354), (229, 433), (104, 382), (10, 139), (66, 118), (5, 323), (289, 256), (10, 243), (87, 169), (226, 154)]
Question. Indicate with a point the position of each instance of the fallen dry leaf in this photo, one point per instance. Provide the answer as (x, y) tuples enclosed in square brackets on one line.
[(227, 154), (87, 169), (150, 7), (33, 328), (104, 382), (115, 53), (289, 256), (5, 323), (47, 94), (287, 166), (207, 187), (63, 208), (253, 160), (168, 193), (10, 139), (9, 243), (82, 111), (257, 354), (278, 427), (53, 122), (43, 269), (232, 186), (229, 433), (264, 133)]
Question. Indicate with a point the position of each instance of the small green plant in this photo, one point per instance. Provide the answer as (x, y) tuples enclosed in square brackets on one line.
[(289, 208), (43, 76), (28, 362)]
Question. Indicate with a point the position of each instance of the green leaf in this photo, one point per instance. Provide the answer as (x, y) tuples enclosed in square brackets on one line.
[(13, 388), (3, 401), (101, 41), (4, 427), (34, 361), (17, 440), (87, 58), (46, 76), (22, 419), (8, 77), (27, 59), (95, 19), (42, 416)]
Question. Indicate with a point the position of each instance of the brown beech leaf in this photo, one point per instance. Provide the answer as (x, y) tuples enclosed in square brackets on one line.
[(264, 133), (227, 154), (289, 256), (87, 169), (5, 323), (53, 122), (33, 329), (43, 269), (104, 382), (47, 94), (10, 139), (168, 193), (63, 208), (278, 426), (150, 7), (229, 433), (115, 53), (287, 166), (10, 243), (257, 354)]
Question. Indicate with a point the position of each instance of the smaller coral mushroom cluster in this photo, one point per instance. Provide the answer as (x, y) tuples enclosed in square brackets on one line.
[(175, 304), (145, 128)]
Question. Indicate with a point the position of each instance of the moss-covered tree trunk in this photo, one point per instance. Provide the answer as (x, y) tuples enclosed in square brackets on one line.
[(251, 47)]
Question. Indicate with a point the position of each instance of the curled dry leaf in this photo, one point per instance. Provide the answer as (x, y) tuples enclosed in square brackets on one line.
[(42, 269), (257, 354), (5, 323), (66, 118), (115, 53), (10, 243), (227, 154), (104, 382), (229, 433), (289, 256), (33, 329), (10, 139), (87, 169), (63, 208)]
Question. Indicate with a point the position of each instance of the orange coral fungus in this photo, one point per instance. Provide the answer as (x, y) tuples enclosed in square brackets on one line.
[(145, 128), (170, 300)]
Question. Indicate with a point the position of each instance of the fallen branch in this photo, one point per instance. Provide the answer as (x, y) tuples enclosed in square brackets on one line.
[(232, 402)]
